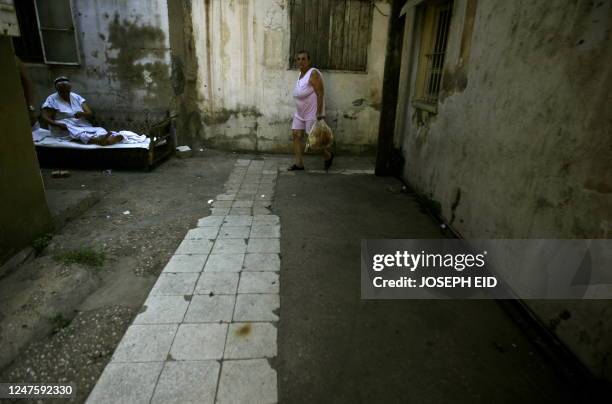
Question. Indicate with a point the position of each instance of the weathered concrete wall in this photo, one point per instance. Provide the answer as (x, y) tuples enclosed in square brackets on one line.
[(245, 84), (23, 209), (125, 60), (521, 146)]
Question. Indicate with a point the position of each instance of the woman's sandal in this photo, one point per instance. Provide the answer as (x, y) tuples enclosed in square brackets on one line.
[(295, 168), (328, 162)]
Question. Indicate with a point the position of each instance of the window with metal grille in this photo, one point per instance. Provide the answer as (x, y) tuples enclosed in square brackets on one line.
[(47, 32), (336, 32), (435, 22)]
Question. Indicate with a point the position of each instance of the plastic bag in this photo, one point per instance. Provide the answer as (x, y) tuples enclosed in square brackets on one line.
[(320, 136)]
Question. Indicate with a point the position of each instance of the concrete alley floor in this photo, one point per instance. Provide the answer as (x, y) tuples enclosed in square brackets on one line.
[(61, 322), (335, 348), (66, 323)]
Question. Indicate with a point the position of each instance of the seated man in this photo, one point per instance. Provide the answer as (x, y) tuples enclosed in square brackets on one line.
[(66, 113)]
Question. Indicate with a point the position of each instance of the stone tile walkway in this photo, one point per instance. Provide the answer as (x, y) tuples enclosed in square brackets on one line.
[(209, 326)]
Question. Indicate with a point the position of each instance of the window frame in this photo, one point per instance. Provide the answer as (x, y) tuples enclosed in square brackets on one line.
[(74, 36), (428, 25)]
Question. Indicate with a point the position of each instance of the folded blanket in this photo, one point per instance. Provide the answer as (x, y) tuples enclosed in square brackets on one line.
[(130, 137)]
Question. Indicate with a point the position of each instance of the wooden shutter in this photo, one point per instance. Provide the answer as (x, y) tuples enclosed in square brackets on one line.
[(336, 32)]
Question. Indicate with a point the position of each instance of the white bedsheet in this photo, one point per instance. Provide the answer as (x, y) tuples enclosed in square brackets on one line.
[(42, 137)]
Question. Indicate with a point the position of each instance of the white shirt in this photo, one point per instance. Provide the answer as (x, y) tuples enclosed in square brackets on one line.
[(64, 110)]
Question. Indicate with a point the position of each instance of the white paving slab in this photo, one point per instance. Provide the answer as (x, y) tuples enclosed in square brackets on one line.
[(229, 246), (219, 211), (199, 342), (265, 220), (247, 381), (200, 233), (145, 343), (186, 263), (242, 204), (187, 382), (210, 309), (175, 284), (222, 204), (129, 383), (210, 221), (251, 341), (227, 262), (163, 310), (241, 211), (265, 231), (234, 232), (256, 307), (264, 245), (201, 247), (226, 197), (217, 283), (238, 220), (258, 282), (261, 262)]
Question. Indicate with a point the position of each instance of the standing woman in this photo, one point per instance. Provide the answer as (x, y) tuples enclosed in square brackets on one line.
[(309, 95)]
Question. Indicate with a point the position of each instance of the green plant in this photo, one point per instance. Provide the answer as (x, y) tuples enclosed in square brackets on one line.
[(41, 243), (83, 256), (59, 322)]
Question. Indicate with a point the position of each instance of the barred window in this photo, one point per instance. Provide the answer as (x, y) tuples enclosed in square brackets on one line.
[(337, 33), (435, 23)]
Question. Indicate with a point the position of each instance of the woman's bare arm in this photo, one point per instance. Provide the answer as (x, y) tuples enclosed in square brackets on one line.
[(316, 83), (87, 112), (48, 115)]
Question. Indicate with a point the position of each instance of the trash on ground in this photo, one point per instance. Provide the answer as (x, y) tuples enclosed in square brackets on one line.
[(184, 151), (108, 172), (60, 174), (127, 212)]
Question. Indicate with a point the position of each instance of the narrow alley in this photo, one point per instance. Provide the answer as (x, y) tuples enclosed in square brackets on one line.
[(305, 201)]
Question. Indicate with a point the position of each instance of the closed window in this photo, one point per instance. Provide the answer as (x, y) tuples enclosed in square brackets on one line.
[(47, 32), (434, 23), (336, 32)]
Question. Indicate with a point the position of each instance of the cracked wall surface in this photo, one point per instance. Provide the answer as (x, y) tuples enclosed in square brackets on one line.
[(520, 146), (125, 67), (245, 84)]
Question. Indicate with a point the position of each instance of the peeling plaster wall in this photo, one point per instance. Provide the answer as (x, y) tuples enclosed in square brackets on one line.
[(245, 85), (521, 146), (125, 61)]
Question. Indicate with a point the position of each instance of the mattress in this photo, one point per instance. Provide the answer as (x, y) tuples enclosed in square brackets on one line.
[(43, 138)]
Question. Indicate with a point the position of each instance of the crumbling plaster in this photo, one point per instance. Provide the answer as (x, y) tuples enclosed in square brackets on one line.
[(245, 84), (521, 145), (125, 65)]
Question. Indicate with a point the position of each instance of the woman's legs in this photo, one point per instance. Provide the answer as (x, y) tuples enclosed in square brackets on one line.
[(106, 140), (298, 148)]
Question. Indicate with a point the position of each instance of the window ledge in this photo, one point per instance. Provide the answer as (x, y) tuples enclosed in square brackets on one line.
[(425, 106), (333, 70)]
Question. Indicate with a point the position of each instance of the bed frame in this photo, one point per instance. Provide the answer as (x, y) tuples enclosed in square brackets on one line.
[(163, 144)]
